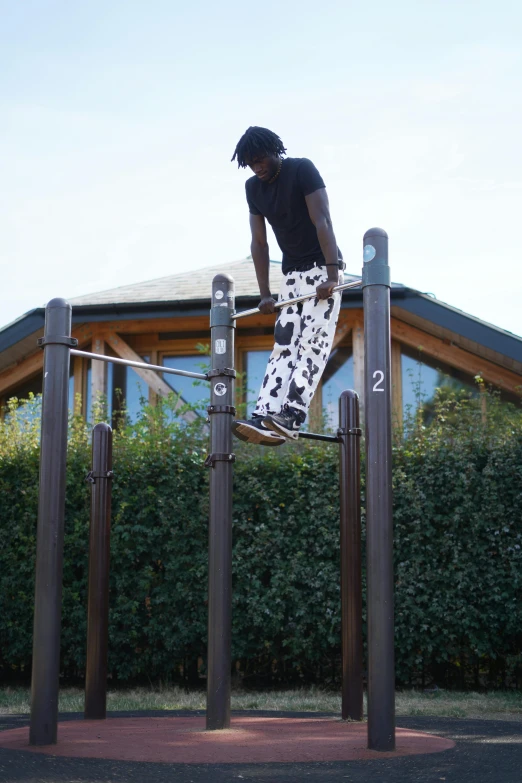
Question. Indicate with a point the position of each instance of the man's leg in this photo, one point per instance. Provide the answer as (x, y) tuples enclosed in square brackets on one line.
[(277, 375), (318, 320), (282, 360)]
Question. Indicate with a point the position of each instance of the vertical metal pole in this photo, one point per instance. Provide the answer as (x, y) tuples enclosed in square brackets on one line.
[(220, 523), (379, 522), (99, 555), (51, 511), (351, 587)]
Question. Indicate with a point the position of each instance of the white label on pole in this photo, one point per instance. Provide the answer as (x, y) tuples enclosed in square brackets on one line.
[(218, 294), (379, 381), (221, 346), (220, 389), (369, 253)]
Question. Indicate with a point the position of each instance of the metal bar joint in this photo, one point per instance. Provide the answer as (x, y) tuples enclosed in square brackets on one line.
[(219, 373), (57, 339), (222, 316), (351, 431), (221, 409), (218, 457), (92, 476)]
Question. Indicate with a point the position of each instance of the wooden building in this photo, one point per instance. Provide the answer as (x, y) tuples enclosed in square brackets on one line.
[(163, 321)]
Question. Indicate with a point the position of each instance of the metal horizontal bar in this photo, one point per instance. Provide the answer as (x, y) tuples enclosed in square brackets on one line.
[(297, 299), (142, 365), (314, 436)]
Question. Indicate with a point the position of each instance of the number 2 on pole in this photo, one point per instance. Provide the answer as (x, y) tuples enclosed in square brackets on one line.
[(380, 375)]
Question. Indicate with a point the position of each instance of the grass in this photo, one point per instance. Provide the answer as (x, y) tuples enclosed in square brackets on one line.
[(493, 705)]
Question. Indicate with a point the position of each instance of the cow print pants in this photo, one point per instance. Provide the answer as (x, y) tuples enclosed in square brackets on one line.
[(303, 339)]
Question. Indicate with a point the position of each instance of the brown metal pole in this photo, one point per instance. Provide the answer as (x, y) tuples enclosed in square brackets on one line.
[(220, 461), (57, 343), (379, 519), (99, 554), (351, 587)]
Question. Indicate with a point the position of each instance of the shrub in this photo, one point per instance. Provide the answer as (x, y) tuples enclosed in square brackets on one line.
[(458, 560)]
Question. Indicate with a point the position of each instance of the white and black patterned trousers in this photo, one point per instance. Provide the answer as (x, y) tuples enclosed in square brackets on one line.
[(303, 340)]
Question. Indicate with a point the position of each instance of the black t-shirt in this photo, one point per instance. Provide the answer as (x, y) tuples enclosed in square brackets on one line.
[(283, 204)]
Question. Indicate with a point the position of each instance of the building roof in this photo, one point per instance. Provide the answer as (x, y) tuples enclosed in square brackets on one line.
[(195, 284), (187, 286), (188, 293)]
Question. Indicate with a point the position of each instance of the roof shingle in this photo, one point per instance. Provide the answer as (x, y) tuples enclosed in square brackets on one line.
[(191, 285)]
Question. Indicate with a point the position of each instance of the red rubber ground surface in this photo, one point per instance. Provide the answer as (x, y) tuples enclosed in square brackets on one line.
[(249, 740)]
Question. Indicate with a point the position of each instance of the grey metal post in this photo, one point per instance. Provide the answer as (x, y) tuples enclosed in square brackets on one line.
[(351, 587), (379, 522), (221, 412), (99, 554), (57, 343)]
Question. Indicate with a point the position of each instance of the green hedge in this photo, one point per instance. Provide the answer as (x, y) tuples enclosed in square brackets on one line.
[(458, 557)]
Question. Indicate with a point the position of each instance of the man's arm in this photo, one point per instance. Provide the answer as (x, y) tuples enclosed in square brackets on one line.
[(261, 258), (319, 211)]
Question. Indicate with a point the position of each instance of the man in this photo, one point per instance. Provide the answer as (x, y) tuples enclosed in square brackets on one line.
[(291, 195)]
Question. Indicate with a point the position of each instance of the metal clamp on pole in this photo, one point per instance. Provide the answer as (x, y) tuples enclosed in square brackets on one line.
[(213, 458), (57, 339), (220, 315), (221, 409), (226, 371), (350, 431), (92, 476)]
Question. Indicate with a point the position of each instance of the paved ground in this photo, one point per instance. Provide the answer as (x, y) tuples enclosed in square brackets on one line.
[(251, 739), (485, 751)]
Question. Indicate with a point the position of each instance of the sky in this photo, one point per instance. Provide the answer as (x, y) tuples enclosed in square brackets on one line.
[(118, 121)]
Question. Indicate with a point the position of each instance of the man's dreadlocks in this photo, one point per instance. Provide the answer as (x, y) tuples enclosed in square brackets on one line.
[(257, 142)]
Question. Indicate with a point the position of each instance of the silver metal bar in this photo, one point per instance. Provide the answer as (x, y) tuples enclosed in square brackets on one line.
[(142, 365), (297, 299)]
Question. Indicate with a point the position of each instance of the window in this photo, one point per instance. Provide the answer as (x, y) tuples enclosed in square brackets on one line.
[(116, 388), (255, 367), (23, 391), (337, 377), (27, 411), (190, 390), (422, 375), (71, 390), (136, 391), (88, 395)]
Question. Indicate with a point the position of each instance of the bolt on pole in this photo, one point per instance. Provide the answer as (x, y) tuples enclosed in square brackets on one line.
[(220, 462), (57, 343), (99, 554), (379, 520), (351, 586)]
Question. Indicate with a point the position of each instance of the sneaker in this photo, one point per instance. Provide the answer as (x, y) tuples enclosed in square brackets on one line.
[(254, 431), (287, 422)]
